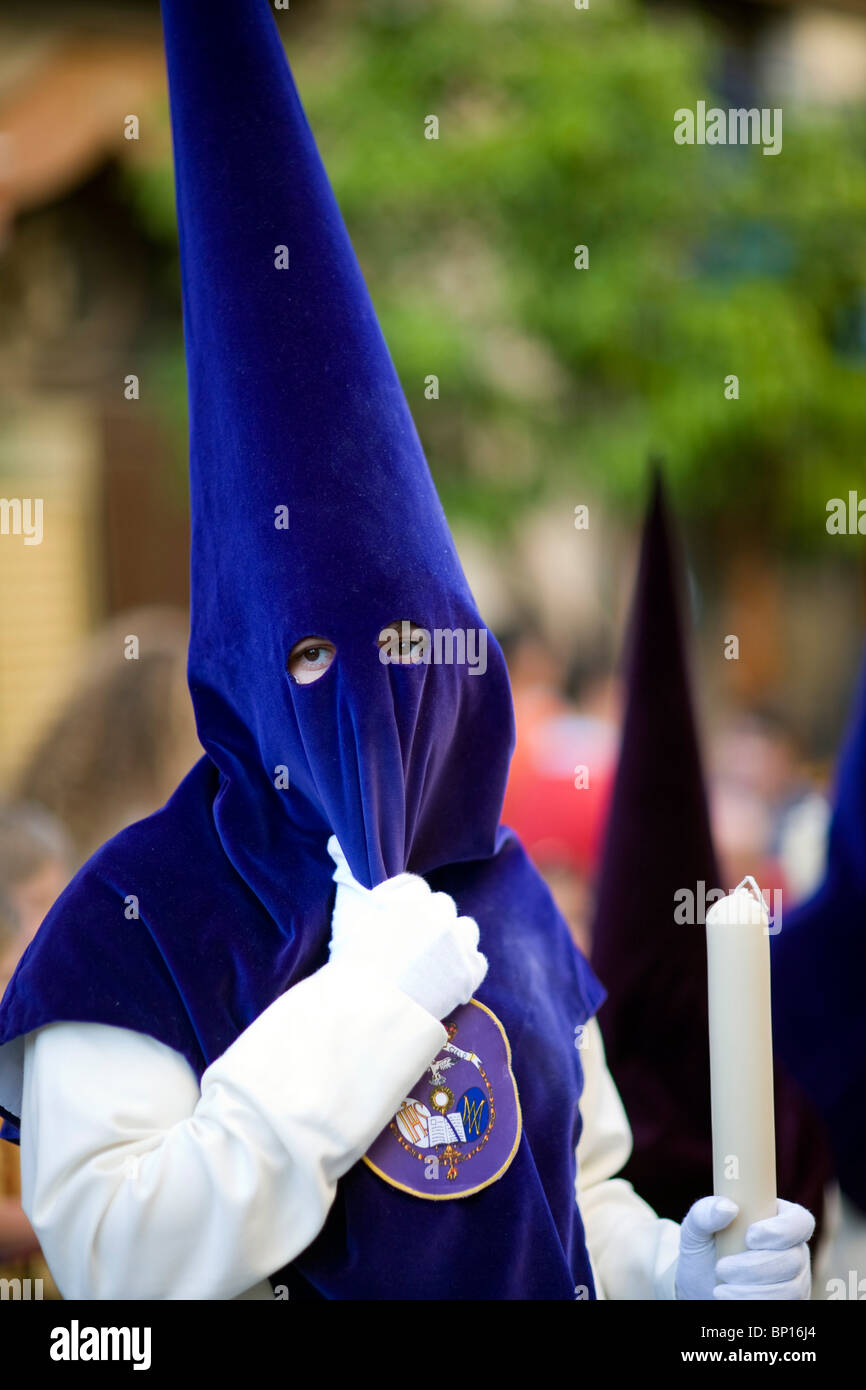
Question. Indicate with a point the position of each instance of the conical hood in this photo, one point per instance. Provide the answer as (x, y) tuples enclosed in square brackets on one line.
[(819, 960), (649, 939), (658, 845), (313, 510)]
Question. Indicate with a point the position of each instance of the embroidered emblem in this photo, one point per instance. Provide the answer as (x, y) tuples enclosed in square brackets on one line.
[(459, 1128)]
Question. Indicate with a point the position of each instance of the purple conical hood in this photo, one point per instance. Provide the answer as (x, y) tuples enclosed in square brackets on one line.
[(658, 866)]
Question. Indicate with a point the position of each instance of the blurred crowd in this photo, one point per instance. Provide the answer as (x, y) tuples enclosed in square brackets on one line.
[(768, 802)]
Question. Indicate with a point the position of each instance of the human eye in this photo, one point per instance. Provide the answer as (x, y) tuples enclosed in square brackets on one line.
[(309, 659), (402, 643)]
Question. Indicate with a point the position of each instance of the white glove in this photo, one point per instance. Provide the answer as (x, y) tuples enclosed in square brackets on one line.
[(775, 1265), (404, 932)]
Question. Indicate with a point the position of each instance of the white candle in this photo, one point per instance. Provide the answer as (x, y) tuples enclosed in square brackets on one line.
[(741, 1060)]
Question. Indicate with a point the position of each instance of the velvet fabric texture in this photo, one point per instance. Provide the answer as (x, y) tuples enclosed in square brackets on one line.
[(188, 924), (654, 967), (819, 962)]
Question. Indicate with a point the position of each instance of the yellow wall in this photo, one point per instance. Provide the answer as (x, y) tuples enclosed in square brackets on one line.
[(49, 448)]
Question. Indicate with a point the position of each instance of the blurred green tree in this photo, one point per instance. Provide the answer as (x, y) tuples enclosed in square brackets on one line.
[(556, 130)]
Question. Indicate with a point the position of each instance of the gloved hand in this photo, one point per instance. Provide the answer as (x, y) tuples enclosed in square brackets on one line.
[(404, 932), (775, 1265)]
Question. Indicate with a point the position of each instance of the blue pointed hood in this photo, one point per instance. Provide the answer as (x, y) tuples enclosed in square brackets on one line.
[(294, 404), (297, 416)]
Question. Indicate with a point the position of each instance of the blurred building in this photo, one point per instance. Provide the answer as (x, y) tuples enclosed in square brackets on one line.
[(82, 290)]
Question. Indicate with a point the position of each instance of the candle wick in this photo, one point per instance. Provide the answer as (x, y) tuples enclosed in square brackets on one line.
[(751, 887)]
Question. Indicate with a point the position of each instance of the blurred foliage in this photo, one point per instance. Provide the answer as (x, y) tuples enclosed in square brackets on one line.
[(556, 129)]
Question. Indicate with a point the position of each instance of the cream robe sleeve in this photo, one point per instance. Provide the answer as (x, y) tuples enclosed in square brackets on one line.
[(141, 1185), (633, 1252)]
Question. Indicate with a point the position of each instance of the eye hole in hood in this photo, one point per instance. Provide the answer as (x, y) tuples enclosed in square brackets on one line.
[(402, 643), (309, 659)]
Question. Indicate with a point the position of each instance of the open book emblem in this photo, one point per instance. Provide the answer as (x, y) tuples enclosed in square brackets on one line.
[(459, 1128)]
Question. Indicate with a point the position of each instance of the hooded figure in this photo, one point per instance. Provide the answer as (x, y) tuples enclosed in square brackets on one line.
[(818, 958), (658, 842), (227, 1139), (314, 516), (659, 873)]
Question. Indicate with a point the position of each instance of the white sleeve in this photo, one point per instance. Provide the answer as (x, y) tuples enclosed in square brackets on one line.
[(141, 1185), (633, 1252)]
